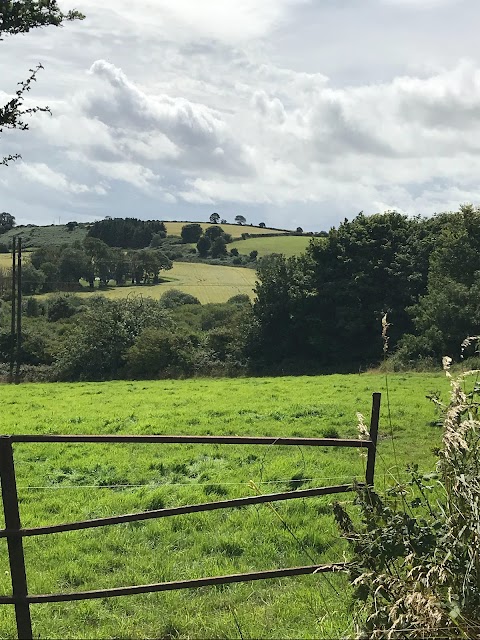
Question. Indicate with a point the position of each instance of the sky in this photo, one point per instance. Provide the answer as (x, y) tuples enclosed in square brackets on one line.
[(288, 112)]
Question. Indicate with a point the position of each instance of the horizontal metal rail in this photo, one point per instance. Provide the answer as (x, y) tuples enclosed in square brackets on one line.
[(176, 511), (180, 584), (265, 440)]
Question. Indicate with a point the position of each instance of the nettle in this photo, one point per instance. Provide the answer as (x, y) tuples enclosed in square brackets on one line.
[(416, 565)]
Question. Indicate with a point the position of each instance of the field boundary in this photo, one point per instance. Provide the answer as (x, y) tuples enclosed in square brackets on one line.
[(14, 533)]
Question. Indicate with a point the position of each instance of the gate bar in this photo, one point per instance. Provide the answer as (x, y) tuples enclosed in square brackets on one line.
[(266, 440), (176, 511), (15, 544), (182, 584)]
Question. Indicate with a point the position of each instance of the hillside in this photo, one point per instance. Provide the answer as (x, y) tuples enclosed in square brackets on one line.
[(56, 235)]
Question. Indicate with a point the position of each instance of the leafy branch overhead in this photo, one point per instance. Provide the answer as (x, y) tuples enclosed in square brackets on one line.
[(20, 17)]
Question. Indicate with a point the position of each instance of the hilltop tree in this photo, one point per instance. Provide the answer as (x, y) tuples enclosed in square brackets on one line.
[(262, 225), (240, 219), (214, 218), (7, 222), (20, 16)]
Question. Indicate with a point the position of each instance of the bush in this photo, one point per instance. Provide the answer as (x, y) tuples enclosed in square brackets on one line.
[(241, 298), (62, 306), (417, 550), (176, 298), (161, 353)]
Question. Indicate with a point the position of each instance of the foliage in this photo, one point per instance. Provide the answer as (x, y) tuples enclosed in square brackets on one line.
[(191, 233), (7, 222), (203, 246), (127, 233), (161, 353), (331, 299), (20, 16), (416, 570), (176, 298), (241, 220), (95, 347), (214, 218)]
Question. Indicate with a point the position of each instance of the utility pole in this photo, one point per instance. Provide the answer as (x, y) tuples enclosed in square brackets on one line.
[(12, 328), (19, 312)]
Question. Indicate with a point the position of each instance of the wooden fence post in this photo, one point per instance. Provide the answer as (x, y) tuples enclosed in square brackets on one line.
[(15, 543), (372, 451)]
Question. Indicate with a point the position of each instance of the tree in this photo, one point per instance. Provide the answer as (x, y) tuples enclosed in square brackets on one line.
[(262, 225), (20, 16), (219, 247), (71, 266), (7, 221), (234, 251), (214, 218), (71, 225), (214, 232), (191, 232), (32, 279), (253, 255), (240, 220), (203, 246), (299, 230)]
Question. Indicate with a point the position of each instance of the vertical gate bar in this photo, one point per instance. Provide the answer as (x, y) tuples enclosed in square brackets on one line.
[(372, 451), (15, 543)]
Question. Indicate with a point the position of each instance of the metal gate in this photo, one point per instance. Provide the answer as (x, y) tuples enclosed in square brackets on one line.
[(14, 533)]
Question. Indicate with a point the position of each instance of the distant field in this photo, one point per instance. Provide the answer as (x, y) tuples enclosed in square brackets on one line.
[(288, 245), (209, 283), (63, 483), (236, 230)]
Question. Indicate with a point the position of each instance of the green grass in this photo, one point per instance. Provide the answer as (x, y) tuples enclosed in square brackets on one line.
[(288, 245), (59, 483), (52, 235), (235, 230), (209, 283)]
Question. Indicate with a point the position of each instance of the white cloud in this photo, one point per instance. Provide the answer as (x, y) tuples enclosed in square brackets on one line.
[(44, 175)]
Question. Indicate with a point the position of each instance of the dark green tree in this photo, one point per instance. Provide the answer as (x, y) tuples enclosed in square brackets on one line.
[(219, 247), (203, 246), (191, 233), (214, 218), (7, 222)]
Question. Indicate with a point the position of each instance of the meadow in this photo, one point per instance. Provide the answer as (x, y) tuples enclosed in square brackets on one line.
[(209, 283), (288, 245), (61, 483)]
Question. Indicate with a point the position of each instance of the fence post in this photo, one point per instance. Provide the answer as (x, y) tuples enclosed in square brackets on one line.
[(372, 451), (15, 544)]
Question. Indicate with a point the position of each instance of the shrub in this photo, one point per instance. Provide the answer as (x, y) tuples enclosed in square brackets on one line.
[(416, 555), (176, 298), (161, 353), (62, 306)]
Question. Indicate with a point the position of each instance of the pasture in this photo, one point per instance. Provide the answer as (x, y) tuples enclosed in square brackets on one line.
[(235, 230), (288, 245), (61, 483), (209, 283)]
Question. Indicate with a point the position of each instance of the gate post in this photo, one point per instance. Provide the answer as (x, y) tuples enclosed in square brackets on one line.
[(372, 450), (15, 543)]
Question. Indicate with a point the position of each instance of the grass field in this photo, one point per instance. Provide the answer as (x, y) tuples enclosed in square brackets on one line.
[(59, 483), (288, 245), (235, 230), (209, 283)]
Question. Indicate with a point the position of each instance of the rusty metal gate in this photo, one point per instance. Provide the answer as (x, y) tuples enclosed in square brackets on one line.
[(14, 533)]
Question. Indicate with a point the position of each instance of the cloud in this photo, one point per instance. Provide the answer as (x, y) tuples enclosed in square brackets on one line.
[(47, 177)]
